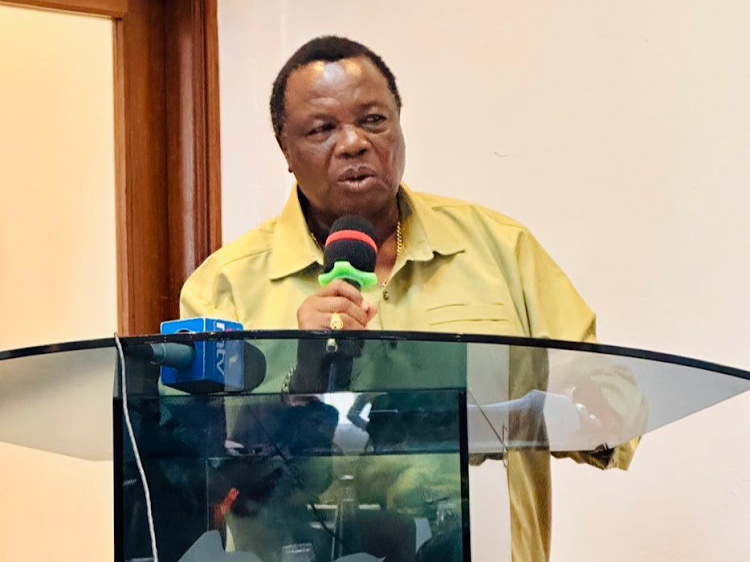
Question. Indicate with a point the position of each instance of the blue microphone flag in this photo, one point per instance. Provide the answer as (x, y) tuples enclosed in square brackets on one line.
[(218, 364)]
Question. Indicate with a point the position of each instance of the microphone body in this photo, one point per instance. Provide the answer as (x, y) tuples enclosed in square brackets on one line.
[(178, 356), (350, 254)]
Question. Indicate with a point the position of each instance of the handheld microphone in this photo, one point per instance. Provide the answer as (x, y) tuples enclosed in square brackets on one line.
[(350, 253)]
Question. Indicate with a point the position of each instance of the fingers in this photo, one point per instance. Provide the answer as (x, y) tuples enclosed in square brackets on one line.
[(350, 323), (337, 297), (344, 307), (341, 288)]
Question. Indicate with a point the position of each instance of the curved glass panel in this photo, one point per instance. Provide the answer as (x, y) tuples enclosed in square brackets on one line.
[(59, 402)]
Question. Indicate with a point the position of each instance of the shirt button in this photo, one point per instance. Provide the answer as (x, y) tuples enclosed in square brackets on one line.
[(386, 295)]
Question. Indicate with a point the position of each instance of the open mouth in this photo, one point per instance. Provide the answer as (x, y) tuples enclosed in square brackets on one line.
[(358, 178), (361, 178)]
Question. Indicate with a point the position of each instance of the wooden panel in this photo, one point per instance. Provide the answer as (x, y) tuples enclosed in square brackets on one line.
[(214, 129), (111, 8), (124, 296), (192, 137), (143, 240)]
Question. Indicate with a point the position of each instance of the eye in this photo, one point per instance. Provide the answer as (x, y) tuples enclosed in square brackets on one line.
[(320, 129), (374, 118)]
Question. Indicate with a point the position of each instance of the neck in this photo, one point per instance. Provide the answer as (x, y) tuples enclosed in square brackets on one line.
[(384, 222)]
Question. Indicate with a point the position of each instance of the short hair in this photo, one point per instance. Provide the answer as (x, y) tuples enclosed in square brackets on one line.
[(329, 48)]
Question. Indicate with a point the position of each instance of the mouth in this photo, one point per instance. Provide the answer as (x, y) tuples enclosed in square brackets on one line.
[(357, 178), (359, 182)]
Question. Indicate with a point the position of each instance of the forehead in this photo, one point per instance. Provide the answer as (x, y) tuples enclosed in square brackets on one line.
[(343, 84)]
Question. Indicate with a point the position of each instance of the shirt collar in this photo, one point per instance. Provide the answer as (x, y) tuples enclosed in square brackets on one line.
[(294, 248), (425, 234)]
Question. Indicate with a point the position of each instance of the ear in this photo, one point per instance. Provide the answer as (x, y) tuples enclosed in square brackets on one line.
[(282, 145)]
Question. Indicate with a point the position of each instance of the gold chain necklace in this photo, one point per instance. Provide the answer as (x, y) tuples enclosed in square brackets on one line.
[(399, 244), (399, 249)]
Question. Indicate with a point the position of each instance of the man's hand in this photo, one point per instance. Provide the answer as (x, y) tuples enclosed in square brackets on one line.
[(338, 296), (313, 360)]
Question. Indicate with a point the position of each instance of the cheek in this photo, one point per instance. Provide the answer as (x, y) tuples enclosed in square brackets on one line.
[(310, 160), (394, 157)]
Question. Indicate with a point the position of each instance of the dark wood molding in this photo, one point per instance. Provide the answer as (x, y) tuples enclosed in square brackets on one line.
[(109, 8), (214, 125), (193, 174), (140, 121)]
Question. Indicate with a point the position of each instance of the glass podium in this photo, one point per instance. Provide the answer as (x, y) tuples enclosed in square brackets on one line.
[(374, 446)]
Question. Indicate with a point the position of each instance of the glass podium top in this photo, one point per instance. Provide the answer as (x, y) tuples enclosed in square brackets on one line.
[(294, 446), (518, 392)]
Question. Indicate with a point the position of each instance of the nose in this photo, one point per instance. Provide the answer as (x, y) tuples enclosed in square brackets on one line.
[(352, 143)]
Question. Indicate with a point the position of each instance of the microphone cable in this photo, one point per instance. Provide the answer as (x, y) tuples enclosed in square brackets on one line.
[(136, 453)]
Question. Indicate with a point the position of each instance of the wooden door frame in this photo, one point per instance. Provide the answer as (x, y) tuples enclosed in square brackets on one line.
[(167, 149)]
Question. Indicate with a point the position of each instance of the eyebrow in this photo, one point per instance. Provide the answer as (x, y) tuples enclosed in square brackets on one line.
[(371, 104), (361, 107), (319, 115), (323, 114)]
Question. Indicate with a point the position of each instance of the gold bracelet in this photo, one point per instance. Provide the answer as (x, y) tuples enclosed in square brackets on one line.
[(287, 381)]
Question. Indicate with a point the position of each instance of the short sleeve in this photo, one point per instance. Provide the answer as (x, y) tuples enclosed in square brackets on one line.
[(203, 295), (554, 308)]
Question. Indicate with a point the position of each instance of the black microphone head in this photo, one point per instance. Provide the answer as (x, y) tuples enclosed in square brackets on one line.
[(254, 367), (351, 239)]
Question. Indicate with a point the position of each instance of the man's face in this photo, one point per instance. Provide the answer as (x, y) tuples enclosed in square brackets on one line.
[(342, 138)]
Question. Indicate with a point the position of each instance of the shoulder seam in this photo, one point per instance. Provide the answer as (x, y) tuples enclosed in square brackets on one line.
[(491, 214), (498, 218), (229, 262)]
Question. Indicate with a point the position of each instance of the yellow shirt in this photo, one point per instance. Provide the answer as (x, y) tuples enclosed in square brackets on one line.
[(463, 268)]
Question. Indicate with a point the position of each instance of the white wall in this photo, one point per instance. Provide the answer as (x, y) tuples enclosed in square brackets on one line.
[(620, 133), (57, 197), (57, 257)]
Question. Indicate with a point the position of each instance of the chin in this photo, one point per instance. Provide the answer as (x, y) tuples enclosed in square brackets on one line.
[(363, 204)]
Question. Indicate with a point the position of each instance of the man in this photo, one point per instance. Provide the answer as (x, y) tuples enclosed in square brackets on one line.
[(442, 264)]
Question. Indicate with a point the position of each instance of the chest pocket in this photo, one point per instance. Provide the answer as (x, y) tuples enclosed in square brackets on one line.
[(470, 317)]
